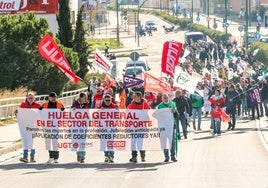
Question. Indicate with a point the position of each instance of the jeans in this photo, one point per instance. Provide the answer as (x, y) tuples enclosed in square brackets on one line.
[(265, 104), (81, 154), (216, 124), (172, 149), (25, 153), (244, 106), (183, 121), (109, 154), (197, 112)]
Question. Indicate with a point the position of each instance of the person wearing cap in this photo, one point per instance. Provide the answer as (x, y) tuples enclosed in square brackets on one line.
[(232, 99), (140, 104), (29, 103), (169, 104), (52, 103), (107, 103), (81, 103)]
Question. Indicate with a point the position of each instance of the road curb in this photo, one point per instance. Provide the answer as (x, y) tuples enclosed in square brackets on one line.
[(264, 139), (13, 147)]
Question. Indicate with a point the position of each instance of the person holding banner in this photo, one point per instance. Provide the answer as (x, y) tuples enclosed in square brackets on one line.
[(254, 97), (81, 103), (169, 104), (140, 104), (107, 103), (29, 103), (52, 103)]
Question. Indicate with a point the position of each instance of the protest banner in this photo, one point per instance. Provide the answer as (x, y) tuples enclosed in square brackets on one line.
[(185, 81), (96, 129)]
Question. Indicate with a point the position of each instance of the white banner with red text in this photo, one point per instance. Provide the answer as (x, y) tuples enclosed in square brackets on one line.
[(96, 129)]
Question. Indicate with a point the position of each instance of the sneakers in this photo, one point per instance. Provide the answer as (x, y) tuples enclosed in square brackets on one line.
[(174, 159), (78, 159), (166, 160), (33, 160), (111, 159), (50, 160), (56, 160), (133, 159), (23, 159)]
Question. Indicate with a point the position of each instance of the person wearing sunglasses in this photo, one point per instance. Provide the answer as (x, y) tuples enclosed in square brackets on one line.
[(138, 103), (107, 103)]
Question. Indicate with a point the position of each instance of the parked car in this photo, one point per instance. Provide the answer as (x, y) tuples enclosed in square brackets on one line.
[(140, 62), (134, 71), (264, 39), (150, 23)]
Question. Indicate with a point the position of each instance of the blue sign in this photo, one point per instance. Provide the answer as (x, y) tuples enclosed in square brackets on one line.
[(259, 18), (198, 18), (226, 25), (257, 36)]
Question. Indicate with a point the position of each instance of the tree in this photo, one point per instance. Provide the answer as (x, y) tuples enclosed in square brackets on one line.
[(20, 62), (65, 33), (80, 44)]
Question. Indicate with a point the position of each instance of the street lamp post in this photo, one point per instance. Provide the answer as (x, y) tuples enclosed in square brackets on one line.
[(208, 12), (192, 11), (117, 22), (226, 30), (138, 20), (246, 26)]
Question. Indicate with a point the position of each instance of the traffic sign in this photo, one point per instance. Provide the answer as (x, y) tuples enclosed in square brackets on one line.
[(226, 25), (259, 18), (241, 28), (134, 56), (257, 36), (198, 18), (208, 18)]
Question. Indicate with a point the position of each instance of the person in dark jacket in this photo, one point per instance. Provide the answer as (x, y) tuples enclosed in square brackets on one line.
[(183, 110), (232, 100), (81, 103)]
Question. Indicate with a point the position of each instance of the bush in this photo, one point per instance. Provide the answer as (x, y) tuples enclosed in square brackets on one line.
[(262, 55)]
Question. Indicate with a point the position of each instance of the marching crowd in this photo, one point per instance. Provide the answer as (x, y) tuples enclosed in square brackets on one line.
[(222, 92)]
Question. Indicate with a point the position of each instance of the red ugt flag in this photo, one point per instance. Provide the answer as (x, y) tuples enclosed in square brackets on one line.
[(170, 56), (49, 50)]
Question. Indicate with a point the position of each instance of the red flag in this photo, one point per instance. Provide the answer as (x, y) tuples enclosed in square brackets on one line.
[(49, 50), (123, 97), (153, 84), (110, 82), (170, 56)]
